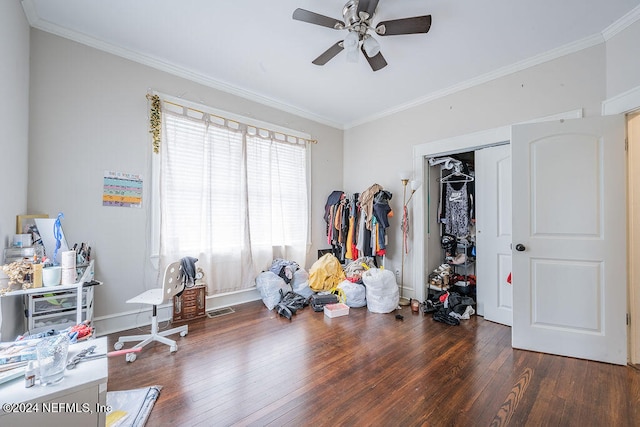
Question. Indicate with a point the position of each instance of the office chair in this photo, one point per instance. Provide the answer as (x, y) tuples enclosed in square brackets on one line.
[(171, 285)]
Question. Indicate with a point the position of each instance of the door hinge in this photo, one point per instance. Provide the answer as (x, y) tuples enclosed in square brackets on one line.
[(626, 144), (628, 319)]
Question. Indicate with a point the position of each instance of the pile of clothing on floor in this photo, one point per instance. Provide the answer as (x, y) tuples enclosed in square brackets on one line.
[(449, 307), (286, 287)]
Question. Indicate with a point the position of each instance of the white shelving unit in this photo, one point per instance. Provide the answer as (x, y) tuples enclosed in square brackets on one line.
[(54, 309), (58, 307), (465, 269)]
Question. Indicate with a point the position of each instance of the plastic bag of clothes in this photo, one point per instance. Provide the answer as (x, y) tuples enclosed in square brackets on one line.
[(300, 283), (284, 268), (326, 273), (269, 284), (354, 269), (355, 294), (381, 290)]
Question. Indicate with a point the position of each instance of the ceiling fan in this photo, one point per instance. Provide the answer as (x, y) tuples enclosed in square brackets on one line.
[(358, 15)]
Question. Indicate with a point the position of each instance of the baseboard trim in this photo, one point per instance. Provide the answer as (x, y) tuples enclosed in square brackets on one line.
[(141, 318)]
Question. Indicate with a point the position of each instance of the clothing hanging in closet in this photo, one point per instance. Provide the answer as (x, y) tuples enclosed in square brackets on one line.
[(457, 204)]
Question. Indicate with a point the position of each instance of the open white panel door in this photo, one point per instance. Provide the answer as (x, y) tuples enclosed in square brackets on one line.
[(569, 239), (493, 233)]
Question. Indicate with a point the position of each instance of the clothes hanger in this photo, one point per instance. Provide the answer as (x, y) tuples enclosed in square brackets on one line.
[(456, 176), (464, 178)]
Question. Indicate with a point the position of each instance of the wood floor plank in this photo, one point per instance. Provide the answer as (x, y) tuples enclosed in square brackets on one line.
[(255, 368)]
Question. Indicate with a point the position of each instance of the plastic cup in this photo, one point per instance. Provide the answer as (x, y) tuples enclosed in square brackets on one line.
[(52, 358)]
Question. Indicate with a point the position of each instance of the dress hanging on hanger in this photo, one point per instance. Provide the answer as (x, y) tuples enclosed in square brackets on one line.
[(457, 203)]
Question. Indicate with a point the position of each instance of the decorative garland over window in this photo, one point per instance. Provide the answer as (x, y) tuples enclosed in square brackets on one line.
[(155, 121)]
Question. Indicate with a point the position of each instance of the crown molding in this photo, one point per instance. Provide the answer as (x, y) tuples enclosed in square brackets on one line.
[(618, 26), (36, 22), (30, 12), (492, 75), (621, 24)]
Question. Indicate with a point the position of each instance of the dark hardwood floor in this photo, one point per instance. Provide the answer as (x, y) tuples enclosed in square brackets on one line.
[(253, 367)]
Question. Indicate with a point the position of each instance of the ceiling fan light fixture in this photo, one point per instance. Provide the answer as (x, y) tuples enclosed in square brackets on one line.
[(353, 55), (351, 42), (371, 46)]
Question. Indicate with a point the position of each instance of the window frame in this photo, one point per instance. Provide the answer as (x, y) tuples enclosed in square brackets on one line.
[(282, 134)]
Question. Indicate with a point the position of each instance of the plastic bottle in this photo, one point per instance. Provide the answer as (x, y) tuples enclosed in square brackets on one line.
[(30, 375)]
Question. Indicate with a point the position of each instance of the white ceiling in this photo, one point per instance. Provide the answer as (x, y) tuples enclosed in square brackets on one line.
[(255, 49)]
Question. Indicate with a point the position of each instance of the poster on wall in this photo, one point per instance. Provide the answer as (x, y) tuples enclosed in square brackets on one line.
[(122, 189)]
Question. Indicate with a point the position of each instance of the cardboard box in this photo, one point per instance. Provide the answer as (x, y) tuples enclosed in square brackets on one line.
[(336, 310)]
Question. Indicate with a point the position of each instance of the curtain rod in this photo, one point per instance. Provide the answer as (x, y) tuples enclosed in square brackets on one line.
[(312, 141)]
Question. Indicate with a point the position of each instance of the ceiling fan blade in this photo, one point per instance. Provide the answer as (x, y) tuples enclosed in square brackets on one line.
[(376, 62), (315, 18), (329, 53), (368, 6), (415, 25)]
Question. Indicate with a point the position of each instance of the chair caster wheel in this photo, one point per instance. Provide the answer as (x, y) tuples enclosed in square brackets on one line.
[(183, 334), (173, 348), (118, 345), (130, 357)]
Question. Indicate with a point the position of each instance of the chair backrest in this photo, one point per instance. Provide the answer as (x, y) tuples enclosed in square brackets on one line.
[(172, 283)]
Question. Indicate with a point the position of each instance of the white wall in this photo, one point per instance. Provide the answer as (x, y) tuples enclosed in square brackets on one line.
[(623, 63), (89, 114), (386, 145), (14, 115), (14, 125)]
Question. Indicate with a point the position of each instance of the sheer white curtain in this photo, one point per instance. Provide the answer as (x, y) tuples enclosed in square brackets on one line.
[(231, 195)]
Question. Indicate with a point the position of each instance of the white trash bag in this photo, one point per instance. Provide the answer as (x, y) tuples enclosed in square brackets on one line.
[(269, 285), (300, 283), (355, 294), (382, 291)]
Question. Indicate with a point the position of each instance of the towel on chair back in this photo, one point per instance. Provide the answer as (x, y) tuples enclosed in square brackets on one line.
[(187, 272)]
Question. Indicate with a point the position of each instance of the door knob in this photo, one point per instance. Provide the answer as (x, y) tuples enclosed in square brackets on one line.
[(520, 247)]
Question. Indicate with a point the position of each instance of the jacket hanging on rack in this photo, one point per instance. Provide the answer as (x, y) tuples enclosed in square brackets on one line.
[(331, 214), (381, 213), (351, 249)]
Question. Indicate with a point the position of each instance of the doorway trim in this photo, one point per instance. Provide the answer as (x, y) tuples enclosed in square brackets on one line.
[(626, 103), (623, 103), (456, 144)]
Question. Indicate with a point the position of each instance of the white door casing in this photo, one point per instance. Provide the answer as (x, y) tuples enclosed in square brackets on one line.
[(633, 161), (493, 233), (569, 215)]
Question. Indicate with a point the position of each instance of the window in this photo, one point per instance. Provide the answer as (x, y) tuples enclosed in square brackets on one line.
[(231, 194)]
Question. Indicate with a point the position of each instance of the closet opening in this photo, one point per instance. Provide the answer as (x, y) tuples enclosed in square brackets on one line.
[(473, 255), (450, 266)]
